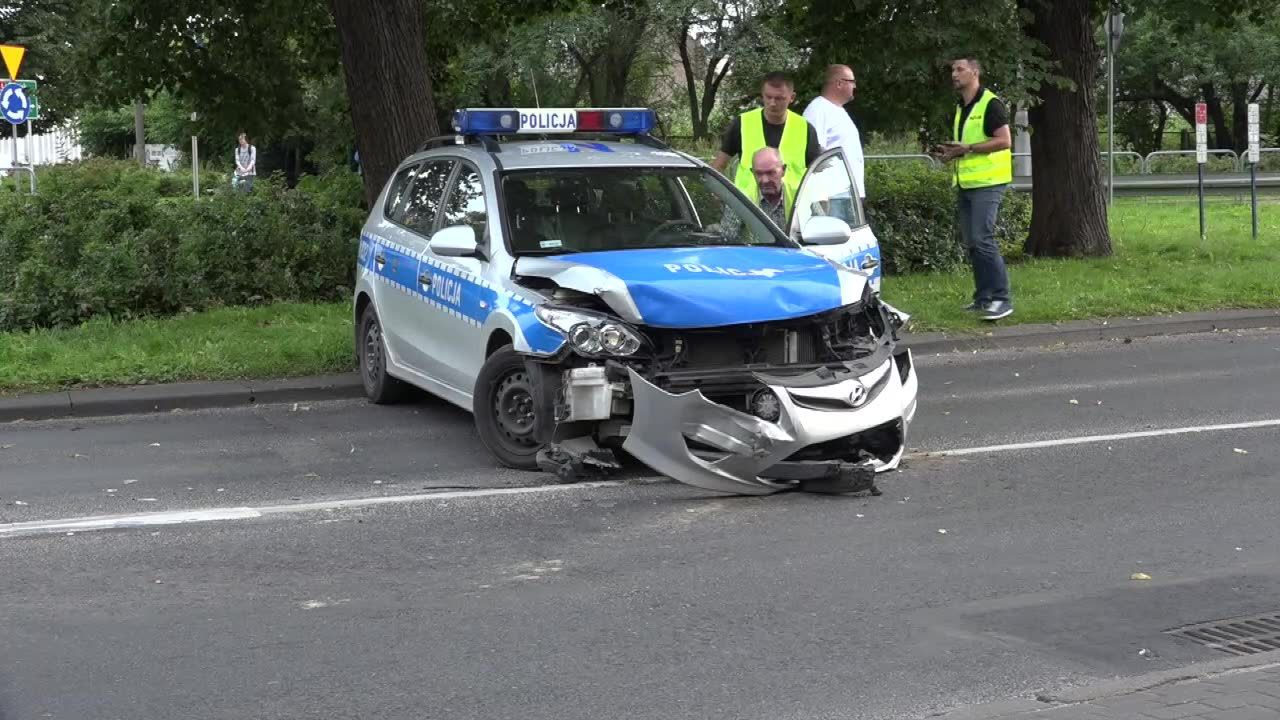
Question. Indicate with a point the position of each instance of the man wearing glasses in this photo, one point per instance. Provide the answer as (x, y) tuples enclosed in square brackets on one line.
[(835, 128)]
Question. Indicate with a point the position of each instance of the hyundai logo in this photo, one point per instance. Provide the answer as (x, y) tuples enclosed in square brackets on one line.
[(858, 395)]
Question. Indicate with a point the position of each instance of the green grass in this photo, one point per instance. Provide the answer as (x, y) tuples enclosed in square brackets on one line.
[(232, 343), (1160, 266)]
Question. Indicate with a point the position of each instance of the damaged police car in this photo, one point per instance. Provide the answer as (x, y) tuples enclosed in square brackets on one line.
[(583, 289)]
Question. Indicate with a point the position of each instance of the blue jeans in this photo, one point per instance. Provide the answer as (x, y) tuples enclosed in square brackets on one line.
[(976, 212)]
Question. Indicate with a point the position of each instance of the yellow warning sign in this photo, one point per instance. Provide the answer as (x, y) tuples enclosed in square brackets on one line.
[(13, 58)]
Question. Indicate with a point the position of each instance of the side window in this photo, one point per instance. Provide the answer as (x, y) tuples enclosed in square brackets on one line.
[(827, 190), (465, 205), (424, 198), (396, 196)]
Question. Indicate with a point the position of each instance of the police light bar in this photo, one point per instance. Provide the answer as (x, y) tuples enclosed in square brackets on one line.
[(553, 121)]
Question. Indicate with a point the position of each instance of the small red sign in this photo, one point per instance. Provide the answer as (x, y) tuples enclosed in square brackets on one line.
[(1202, 114)]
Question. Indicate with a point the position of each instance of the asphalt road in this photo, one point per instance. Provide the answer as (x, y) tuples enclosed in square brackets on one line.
[(645, 599)]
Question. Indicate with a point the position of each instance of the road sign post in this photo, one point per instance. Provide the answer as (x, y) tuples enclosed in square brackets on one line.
[(14, 104), (1115, 30), (195, 159), (14, 107), (16, 185), (1202, 156), (1254, 154)]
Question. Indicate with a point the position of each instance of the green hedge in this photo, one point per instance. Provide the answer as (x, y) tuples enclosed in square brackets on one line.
[(107, 238), (912, 206)]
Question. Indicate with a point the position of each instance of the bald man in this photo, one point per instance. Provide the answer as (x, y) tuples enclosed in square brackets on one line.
[(772, 194), (835, 128)]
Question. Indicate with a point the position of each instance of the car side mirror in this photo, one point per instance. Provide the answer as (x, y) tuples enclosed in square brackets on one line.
[(825, 230), (455, 241)]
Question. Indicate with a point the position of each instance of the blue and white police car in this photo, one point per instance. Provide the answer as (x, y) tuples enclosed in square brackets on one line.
[(583, 289)]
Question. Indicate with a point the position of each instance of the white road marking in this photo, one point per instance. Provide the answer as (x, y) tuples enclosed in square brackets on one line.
[(1086, 439), (109, 522), (112, 522)]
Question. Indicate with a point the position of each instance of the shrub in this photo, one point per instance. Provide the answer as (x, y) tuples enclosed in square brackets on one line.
[(108, 238), (912, 209)]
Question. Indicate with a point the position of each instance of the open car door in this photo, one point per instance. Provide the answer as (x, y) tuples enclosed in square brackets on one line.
[(829, 219)]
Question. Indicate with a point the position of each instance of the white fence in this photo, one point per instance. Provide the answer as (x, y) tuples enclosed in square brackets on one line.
[(59, 146)]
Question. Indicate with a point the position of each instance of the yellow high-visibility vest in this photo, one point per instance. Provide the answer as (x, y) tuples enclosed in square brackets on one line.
[(794, 146), (979, 170)]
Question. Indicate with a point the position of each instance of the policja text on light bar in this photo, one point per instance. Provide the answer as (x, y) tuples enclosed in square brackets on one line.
[(553, 121)]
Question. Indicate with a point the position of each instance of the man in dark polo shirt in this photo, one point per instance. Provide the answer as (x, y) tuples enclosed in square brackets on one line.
[(776, 126), (983, 172)]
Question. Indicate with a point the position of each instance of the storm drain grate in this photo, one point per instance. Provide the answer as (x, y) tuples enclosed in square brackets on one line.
[(1238, 636)]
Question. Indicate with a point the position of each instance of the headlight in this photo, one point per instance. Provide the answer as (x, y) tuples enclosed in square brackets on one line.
[(591, 333)]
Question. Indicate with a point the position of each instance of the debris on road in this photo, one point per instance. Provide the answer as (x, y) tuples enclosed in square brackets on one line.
[(1139, 576)]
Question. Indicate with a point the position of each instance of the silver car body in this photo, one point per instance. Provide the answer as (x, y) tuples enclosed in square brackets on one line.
[(445, 311)]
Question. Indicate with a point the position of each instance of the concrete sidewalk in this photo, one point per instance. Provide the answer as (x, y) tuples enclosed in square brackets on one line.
[(193, 395), (1246, 688)]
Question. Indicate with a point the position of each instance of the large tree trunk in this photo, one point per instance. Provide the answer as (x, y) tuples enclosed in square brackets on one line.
[(1068, 203), (1240, 117), (385, 63), (1221, 139)]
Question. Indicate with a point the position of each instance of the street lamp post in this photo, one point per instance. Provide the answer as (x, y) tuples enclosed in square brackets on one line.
[(1115, 28)]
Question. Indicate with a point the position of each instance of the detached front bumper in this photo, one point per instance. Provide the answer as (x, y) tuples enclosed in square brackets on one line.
[(739, 453)]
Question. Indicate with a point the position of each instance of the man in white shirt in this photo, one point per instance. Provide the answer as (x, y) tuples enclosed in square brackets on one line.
[(835, 128)]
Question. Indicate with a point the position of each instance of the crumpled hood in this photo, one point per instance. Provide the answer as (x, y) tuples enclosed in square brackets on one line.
[(704, 287)]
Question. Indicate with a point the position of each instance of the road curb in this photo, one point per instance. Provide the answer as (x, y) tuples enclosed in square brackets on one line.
[(1045, 701), (1115, 329), (233, 393)]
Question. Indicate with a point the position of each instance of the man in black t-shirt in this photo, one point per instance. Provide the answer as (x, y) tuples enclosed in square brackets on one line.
[(983, 172), (775, 126)]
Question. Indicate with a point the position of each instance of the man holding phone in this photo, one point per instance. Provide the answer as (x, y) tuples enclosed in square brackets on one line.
[(983, 172)]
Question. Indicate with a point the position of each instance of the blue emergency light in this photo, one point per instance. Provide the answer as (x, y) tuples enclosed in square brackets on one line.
[(554, 121)]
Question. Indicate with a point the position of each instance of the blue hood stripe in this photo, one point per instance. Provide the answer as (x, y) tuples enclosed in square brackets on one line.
[(717, 286)]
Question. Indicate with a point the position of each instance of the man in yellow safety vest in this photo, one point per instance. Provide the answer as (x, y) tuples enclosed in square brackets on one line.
[(775, 126), (983, 172)]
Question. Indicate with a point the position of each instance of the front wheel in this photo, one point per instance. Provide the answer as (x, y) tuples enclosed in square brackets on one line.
[(504, 410)]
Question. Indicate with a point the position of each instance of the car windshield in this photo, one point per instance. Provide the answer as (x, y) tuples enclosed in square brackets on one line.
[(593, 209)]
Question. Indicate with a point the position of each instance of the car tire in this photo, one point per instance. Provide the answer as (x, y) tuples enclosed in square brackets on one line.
[(371, 348), (503, 406)]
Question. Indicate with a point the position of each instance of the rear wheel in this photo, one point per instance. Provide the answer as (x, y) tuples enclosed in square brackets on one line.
[(504, 410), (379, 387)]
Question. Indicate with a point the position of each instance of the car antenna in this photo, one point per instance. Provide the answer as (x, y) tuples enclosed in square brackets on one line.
[(534, 80)]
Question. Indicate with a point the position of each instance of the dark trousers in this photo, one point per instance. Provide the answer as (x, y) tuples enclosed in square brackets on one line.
[(976, 212)]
